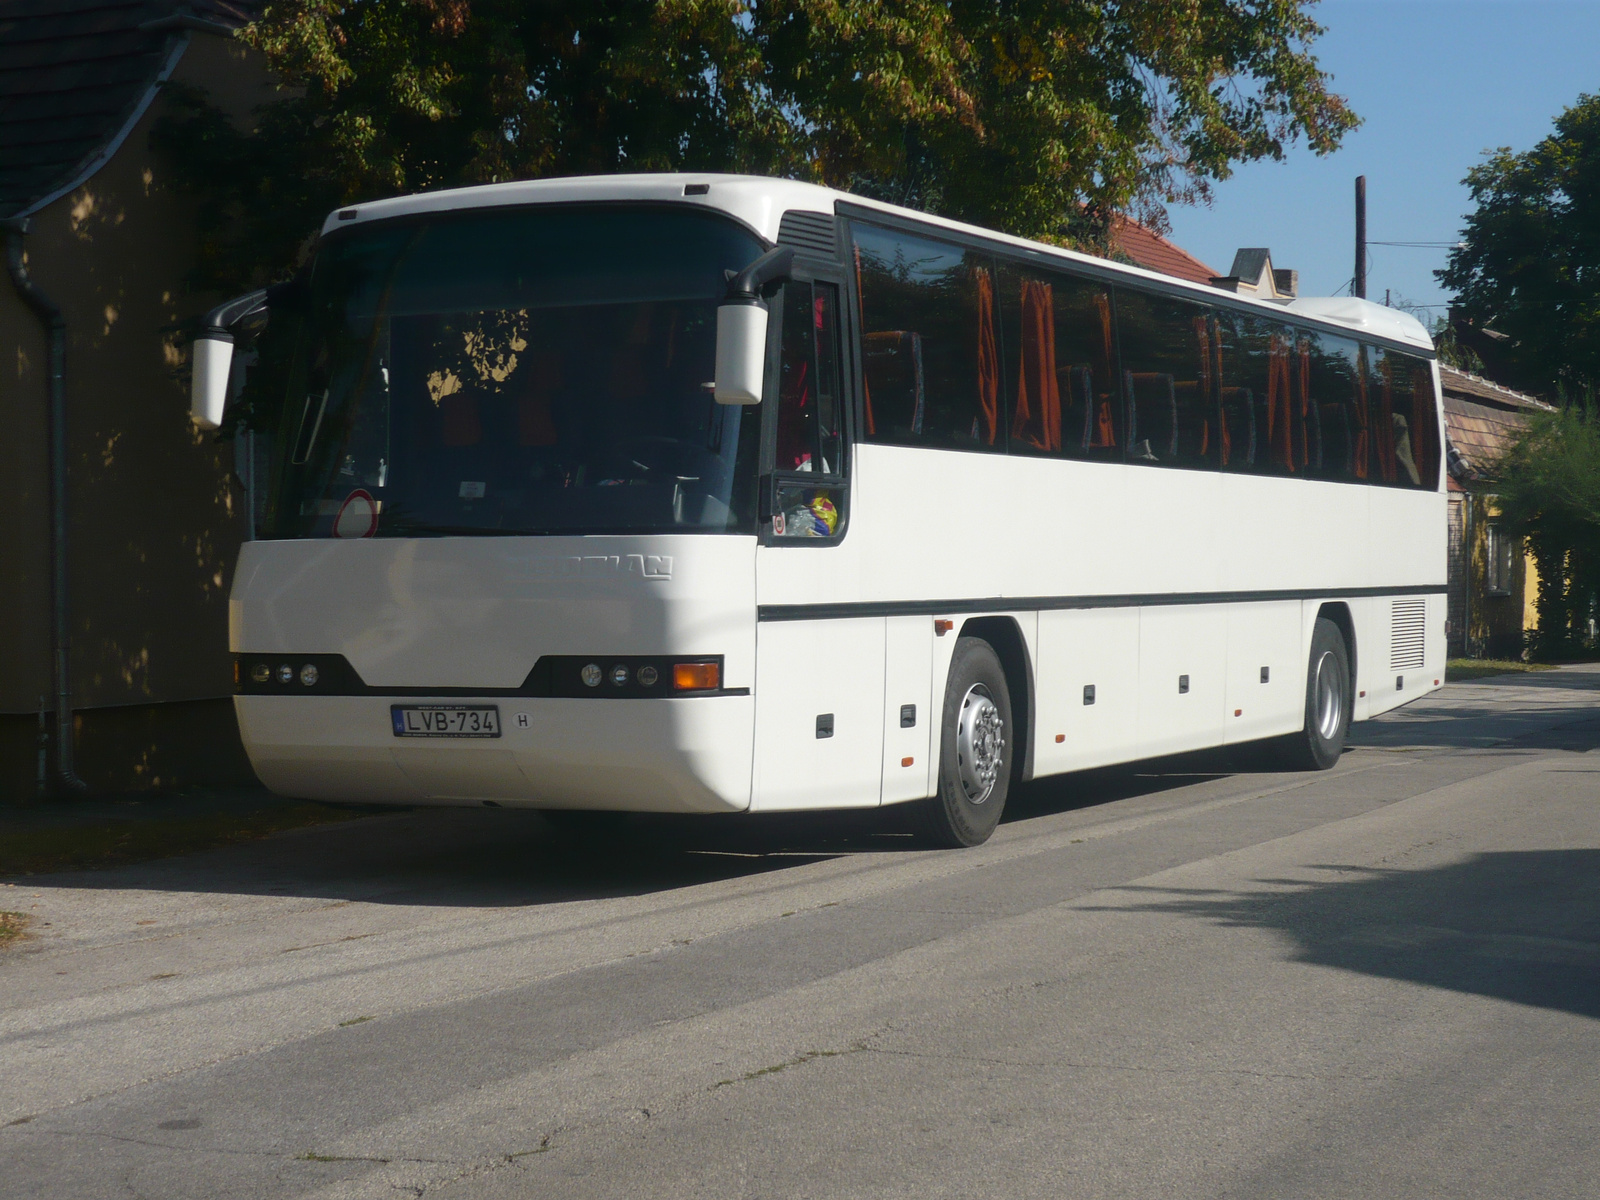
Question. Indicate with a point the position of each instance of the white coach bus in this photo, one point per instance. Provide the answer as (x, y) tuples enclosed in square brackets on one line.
[(714, 493)]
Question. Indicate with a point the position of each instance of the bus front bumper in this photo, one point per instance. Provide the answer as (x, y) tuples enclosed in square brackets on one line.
[(683, 755)]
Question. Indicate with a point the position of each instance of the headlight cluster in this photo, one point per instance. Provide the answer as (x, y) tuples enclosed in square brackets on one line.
[(642, 677), (285, 674)]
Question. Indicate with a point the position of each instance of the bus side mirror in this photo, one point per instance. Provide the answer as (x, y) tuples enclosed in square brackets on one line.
[(742, 329), (213, 356), (741, 353)]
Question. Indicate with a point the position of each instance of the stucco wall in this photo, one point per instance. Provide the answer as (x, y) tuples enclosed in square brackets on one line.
[(155, 522)]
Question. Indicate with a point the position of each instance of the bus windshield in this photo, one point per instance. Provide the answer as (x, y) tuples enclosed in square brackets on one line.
[(517, 371)]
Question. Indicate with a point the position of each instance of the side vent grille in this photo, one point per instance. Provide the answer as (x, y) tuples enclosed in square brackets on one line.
[(1407, 620), (811, 232)]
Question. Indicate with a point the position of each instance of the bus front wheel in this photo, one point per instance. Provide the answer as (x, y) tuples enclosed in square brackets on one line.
[(977, 742), (1318, 746)]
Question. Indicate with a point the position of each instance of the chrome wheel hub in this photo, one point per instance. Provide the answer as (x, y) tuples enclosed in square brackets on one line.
[(1329, 697), (980, 743)]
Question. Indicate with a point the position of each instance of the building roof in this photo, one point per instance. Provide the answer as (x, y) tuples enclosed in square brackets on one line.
[(76, 75), (1462, 383), (1148, 249), (1480, 433)]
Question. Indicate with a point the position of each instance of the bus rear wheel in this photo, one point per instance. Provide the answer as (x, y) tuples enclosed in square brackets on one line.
[(977, 743), (1318, 745)]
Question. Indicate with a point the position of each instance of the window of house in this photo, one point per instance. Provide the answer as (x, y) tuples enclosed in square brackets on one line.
[(1498, 553), (1060, 362), (930, 345)]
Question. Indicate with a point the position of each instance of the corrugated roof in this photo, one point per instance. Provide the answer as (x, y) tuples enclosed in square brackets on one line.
[(75, 74), (1148, 249)]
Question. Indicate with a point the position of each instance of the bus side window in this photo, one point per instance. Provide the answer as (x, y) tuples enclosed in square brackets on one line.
[(1334, 399), (1405, 419), (1168, 380), (808, 389), (930, 342), (1059, 358), (1257, 396)]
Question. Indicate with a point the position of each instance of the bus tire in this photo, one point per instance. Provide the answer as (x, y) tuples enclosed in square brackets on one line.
[(1318, 745), (977, 743)]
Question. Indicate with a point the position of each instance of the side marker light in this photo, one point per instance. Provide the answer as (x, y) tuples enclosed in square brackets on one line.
[(696, 677), (1061, 737), (906, 762), (1238, 712), (942, 627)]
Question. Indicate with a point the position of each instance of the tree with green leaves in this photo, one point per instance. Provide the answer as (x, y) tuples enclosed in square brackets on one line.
[(1527, 276), (1039, 117), (1549, 492)]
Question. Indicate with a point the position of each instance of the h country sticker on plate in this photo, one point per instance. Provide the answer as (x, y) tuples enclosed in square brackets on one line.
[(446, 720)]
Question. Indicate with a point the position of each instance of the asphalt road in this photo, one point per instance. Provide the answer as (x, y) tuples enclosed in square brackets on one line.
[(1174, 980)]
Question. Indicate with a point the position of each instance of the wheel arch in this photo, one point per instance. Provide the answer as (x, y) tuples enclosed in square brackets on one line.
[(1005, 636), (1339, 613)]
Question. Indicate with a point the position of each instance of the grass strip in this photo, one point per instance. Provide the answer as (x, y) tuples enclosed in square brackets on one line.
[(13, 927), (110, 843), (1457, 670)]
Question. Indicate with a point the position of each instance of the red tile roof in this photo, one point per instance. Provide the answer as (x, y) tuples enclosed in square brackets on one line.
[(1148, 249)]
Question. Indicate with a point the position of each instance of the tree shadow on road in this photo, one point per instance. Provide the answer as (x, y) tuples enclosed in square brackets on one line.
[(1517, 925)]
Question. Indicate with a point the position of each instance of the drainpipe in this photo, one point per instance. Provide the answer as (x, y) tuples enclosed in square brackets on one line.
[(49, 314)]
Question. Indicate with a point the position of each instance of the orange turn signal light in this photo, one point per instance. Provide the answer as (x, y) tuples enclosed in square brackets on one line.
[(942, 627), (696, 677)]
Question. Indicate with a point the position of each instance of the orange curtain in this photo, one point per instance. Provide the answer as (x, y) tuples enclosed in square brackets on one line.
[(1303, 402), (1280, 437), (1036, 376), (1105, 422), (988, 358)]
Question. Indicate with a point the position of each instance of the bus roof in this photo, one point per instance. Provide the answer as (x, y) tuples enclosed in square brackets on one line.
[(760, 202)]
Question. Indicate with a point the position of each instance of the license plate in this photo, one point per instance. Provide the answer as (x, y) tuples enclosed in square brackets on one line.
[(446, 720)]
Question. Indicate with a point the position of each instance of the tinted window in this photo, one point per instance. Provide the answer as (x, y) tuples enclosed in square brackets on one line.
[(930, 349), (1265, 380), (1059, 361), (808, 384), (528, 371), (1337, 405), (1405, 433), (1169, 362)]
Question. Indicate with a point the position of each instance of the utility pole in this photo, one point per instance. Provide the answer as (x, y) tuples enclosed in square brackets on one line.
[(1360, 286)]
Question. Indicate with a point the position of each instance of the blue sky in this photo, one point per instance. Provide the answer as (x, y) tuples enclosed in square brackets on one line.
[(1438, 82)]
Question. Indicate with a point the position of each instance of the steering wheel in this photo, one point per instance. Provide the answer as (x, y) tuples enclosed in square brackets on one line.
[(663, 459)]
